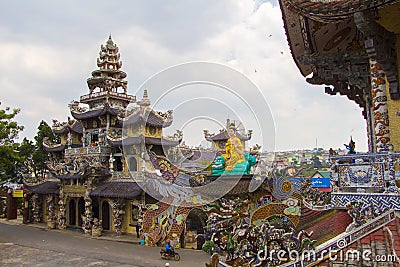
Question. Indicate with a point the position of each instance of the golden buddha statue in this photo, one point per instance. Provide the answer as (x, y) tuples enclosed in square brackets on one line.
[(234, 152)]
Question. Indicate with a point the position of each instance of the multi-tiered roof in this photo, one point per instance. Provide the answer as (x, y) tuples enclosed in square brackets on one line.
[(107, 84)]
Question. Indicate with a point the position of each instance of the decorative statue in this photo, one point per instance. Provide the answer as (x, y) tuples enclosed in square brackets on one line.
[(111, 163), (100, 142), (351, 146), (51, 215), (234, 150), (235, 161), (69, 140), (104, 138), (87, 139)]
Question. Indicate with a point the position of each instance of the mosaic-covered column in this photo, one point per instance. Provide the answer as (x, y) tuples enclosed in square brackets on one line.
[(87, 219), (379, 107), (61, 212), (117, 213), (36, 208), (51, 214)]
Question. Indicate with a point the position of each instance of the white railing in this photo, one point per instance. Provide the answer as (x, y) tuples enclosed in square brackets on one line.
[(108, 93), (380, 201), (87, 151), (122, 175)]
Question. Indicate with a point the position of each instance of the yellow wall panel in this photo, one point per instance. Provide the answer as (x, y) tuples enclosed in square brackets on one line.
[(394, 107)]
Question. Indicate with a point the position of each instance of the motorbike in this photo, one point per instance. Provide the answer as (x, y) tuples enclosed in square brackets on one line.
[(171, 255)]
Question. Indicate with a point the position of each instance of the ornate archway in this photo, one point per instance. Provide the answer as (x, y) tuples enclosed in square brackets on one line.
[(194, 230)]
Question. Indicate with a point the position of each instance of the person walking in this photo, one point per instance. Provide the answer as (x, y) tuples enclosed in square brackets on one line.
[(137, 229)]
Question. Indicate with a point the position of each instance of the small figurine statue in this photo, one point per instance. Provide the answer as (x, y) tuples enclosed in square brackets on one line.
[(351, 146), (111, 163), (100, 142), (87, 139), (69, 140)]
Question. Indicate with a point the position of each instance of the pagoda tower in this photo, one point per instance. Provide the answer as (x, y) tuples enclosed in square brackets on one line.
[(86, 162), (107, 84)]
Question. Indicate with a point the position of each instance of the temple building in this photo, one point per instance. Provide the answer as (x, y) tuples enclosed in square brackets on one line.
[(109, 161), (92, 184), (111, 167)]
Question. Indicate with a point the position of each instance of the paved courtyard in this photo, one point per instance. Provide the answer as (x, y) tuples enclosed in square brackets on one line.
[(24, 245)]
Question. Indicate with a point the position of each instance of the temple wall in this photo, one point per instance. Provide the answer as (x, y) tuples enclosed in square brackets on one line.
[(394, 107), (44, 210)]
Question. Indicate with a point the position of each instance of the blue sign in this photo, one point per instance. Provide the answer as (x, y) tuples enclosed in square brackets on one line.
[(320, 182)]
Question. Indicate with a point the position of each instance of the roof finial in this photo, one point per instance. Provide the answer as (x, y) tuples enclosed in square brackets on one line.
[(110, 41), (145, 100), (145, 94)]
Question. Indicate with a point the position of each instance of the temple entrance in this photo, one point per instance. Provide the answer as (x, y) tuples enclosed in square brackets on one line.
[(95, 208), (105, 215), (195, 223), (81, 210), (72, 212)]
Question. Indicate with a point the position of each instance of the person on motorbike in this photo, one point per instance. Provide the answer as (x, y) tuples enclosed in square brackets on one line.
[(168, 248)]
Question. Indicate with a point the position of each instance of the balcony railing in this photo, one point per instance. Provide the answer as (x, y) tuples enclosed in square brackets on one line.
[(77, 190), (137, 176), (107, 93), (365, 171), (105, 151)]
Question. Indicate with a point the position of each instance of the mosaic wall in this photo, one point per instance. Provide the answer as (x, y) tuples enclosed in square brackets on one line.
[(379, 201), (361, 175)]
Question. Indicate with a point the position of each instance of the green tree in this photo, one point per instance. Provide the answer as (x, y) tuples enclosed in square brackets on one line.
[(26, 150), (40, 156), (9, 158)]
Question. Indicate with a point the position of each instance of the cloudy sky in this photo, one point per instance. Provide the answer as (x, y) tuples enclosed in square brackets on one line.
[(49, 49)]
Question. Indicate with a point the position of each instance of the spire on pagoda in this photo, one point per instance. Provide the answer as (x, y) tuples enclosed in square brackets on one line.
[(109, 56), (145, 102), (107, 84)]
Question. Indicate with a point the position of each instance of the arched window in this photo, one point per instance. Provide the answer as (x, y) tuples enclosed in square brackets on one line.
[(132, 164)]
